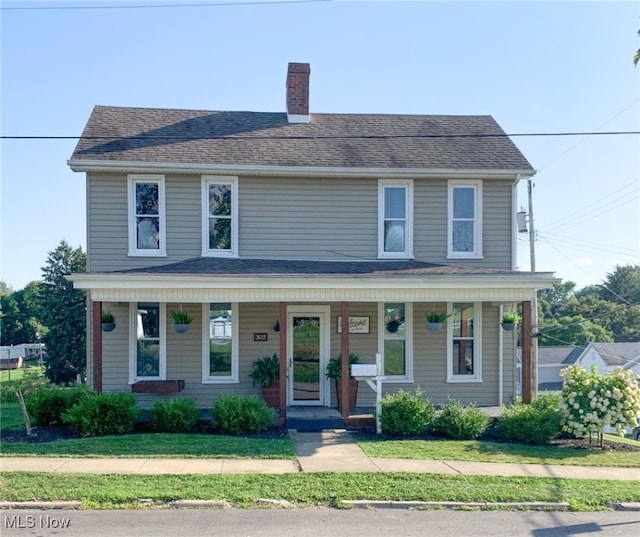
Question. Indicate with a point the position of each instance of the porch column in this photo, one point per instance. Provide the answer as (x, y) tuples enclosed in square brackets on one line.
[(96, 325), (282, 320), (344, 350), (526, 352)]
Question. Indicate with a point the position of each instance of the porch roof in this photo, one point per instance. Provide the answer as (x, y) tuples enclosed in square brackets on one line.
[(205, 279)]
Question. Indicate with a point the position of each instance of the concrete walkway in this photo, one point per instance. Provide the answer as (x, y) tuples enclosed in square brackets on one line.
[(326, 451)]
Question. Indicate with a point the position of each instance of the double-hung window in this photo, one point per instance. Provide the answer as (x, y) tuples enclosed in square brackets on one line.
[(147, 356), (465, 219), (395, 340), (220, 343), (219, 216), (395, 219), (464, 363), (146, 216)]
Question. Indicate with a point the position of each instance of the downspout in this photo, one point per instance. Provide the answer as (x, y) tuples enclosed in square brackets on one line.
[(500, 358)]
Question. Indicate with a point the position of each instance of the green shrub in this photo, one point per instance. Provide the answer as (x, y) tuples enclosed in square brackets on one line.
[(47, 404), (460, 422), (233, 414), (30, 381), (536, 423), (174, 416), (103, 414), (405, 413)]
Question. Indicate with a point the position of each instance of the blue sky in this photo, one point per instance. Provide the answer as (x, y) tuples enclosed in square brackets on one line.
[(537, 67)]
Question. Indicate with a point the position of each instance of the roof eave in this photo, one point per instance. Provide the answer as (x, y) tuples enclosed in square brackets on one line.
[(82, 165)]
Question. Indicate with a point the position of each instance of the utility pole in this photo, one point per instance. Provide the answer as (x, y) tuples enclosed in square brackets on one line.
[(534, 302)]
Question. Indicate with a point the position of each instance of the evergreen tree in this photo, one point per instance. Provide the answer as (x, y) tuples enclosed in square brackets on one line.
[(64, 312)]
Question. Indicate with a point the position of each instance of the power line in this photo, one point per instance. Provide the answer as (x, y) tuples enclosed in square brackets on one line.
[(155, 6), (140, 137)]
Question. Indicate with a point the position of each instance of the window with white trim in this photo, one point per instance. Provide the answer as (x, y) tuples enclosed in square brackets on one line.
[(146, 216), (465, 219), (219, 216), (395, 219), (220, 343), (464, 363), (147, 355), (395, 340)]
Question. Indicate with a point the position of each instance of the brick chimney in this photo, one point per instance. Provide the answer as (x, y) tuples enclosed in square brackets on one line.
[(298, 92)]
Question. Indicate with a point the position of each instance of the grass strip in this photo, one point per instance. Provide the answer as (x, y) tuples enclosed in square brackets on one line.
[(124, 491), (159, 445), (473, 450)]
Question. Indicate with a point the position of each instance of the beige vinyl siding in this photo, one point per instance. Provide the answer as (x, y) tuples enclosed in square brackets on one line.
[(115, 350), (498, 217), (308, 218)]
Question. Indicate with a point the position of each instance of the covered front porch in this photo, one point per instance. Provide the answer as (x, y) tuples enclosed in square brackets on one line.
[(273, 298)]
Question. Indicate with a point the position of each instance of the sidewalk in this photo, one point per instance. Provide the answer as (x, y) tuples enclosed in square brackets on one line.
[(327, 451)]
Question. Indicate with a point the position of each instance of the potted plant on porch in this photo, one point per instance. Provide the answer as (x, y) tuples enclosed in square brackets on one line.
[(265, 372), (108, 321), (334, 371), (509, 320), (435, 319), (181, 321)]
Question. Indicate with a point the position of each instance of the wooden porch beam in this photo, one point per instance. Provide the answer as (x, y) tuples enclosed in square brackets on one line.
[(282, 320), (526, 352), (344, 350), (96, 325)]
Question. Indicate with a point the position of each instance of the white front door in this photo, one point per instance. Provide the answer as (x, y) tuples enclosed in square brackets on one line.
[(307, 354)]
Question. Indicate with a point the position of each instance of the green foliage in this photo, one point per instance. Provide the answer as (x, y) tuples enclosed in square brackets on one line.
[(181, 317), (30, 381), (174, 416), (21, 315), (591, 401), (334, 367), (107, 317), (265, 371), (233, 414), (47, 405), (103, 414), (510, 317), (536, 423), (64, 312), (405, 414), (460, 422), (436, 317)]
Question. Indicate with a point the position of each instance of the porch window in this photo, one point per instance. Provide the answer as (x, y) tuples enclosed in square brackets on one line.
[(219, 216), (146, 215), (465, 219), (395, 331), (147, 355), (395, 219), (464, 363), (220, 353)]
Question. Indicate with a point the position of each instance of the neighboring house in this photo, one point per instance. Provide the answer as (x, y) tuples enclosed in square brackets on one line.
[(13, 356), (604, 356), (268, 228)]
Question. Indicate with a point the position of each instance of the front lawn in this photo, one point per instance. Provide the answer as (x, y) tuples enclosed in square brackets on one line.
[(485, 451)]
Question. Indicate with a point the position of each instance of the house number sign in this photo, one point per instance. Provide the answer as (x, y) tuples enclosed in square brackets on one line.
[(260, 336)]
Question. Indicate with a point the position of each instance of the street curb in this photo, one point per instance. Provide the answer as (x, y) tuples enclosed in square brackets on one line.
[(69, 504), (521, 506), (628, 506), (199, 504)]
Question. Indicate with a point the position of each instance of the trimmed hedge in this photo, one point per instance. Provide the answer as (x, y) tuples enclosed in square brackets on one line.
[(174, 416), (233, 414), (405, 414), (47, 404), (460, 422), (537, 423), (103, 414)]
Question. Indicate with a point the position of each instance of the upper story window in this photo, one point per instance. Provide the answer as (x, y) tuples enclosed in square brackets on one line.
[(465, 219), (219, 216), (464, 358), (220, 358), (395, 219), (147, 355), (395, 333), (146, 215)]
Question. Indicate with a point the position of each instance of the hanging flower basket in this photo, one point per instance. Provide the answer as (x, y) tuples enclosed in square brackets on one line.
[(509, 327), (181, 328), (108, 321), (435, 319), (181, 321), (108, 327), (434, 327)]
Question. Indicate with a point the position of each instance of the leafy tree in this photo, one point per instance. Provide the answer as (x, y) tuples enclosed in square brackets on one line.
[(64, 312), (22, 316), (623, 285), (574, 330)]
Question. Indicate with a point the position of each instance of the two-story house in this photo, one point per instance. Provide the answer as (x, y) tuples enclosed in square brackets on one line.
[(324, 233)]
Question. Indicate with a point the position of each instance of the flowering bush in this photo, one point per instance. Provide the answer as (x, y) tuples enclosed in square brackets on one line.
[(591, 401)]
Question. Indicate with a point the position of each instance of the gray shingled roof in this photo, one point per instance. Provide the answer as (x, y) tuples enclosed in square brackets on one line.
[(267, 139), (559, 355), (205, 266), (618, 354)]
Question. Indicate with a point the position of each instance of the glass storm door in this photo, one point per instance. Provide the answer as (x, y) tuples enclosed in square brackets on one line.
[(307, 356)]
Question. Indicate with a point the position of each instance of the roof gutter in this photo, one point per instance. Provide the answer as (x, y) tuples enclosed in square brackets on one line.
[(81, 165)]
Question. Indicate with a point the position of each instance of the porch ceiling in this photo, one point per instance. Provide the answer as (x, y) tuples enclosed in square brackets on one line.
[(268, 280)]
